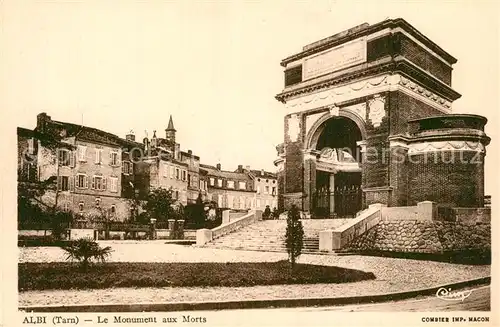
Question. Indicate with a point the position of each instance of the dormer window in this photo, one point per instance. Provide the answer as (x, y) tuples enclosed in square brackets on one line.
[(230, 184)]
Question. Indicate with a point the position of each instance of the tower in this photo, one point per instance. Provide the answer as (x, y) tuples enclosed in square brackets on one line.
[(170, 135)]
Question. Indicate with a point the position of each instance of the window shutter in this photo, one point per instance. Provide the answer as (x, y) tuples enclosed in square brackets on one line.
[(86, 181), (123, 167), (72, 158), (71, 184), (76, 182), (96, 156), (130, 168), (103, 183), (59, 182), (93, 183), (111, 158)]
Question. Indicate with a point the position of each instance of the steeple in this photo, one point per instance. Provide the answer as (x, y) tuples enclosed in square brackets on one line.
[(170, 125)]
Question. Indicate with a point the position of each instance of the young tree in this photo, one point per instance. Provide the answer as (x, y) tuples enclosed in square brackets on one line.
[(294, 235), (196, 213), (159, 205)]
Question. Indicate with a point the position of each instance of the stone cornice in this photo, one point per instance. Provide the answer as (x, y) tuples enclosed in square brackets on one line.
[(390, 23), (414, 75)]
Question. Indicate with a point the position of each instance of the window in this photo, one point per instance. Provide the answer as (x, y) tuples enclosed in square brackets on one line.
[(31, 146), (230, 201), (82, 151), (274, 182), (230, 184), (64, 157), (63, 183), (127, 167), (113, 210), (81, 181), (177, 176), (212, 181), (202, 186), (219, 182), (266, 190), (172, 172), (98, 156), (80, 206), (165, 170), (258, 189), (98, 183), (97, 202), (177, 195), (242, 185), (293, 75), (66, 206), (114, 184), (114, 158), (274, 190), (183, 175)]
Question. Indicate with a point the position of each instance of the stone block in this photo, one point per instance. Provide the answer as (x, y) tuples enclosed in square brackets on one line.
[(203, 236), (427, 211)]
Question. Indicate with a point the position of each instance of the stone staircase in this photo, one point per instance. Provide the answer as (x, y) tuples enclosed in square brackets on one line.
[(269, 235)]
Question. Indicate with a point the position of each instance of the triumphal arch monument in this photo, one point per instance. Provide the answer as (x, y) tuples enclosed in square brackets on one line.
[(368, 119)]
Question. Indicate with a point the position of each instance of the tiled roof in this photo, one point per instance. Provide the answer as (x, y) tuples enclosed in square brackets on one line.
[(231, 175), (94, 135), (267, 174)]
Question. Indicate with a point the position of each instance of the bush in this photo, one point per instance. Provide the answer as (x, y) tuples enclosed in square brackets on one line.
[(294, 235), (85, 251)]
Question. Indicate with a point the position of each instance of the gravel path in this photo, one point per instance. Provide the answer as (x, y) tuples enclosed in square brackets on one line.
[(393, 275)]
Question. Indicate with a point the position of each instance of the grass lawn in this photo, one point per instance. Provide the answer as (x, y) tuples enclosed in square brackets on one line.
[(44, 276)]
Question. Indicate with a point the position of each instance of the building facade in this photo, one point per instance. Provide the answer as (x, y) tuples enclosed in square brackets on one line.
[(369, 120), (266, 189), (102, 175), (229, 189)]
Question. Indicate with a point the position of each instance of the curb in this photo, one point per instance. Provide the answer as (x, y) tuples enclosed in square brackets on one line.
[(253, 304)]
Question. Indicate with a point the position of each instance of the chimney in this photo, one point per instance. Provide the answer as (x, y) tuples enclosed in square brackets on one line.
[(218, 166), (41, 122), (247, 168), (262, 172), (130, 136), (190, 152), (240, 168)]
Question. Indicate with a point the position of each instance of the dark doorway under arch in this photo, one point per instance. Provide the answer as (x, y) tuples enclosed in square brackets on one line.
[(338, 194)]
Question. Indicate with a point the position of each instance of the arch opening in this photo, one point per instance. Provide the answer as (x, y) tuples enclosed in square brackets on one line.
[(338, 174)]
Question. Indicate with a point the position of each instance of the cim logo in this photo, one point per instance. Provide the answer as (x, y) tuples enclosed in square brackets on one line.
[(449, 295)]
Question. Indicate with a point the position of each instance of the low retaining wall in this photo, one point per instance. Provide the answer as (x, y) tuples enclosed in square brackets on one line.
[(204, 236), (424, 237), (34, 232), (338, 238)]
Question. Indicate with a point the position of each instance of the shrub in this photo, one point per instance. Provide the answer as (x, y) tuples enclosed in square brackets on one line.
[(294, 235), (85, 251)]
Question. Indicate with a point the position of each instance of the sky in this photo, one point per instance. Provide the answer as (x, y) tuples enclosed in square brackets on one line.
[(213, 65)]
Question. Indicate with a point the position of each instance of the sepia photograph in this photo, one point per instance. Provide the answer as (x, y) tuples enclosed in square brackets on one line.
[(177, 159)]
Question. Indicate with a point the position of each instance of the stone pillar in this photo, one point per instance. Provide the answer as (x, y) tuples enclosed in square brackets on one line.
[(427, 210), (180, 229), (225, 216), (294, 162), (171, 228), (309, 180), (398, 176), (332, 195)]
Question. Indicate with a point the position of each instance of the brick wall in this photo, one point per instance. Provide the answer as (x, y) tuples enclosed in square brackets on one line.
[(442, 177), (404, 108), (420, 57)]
